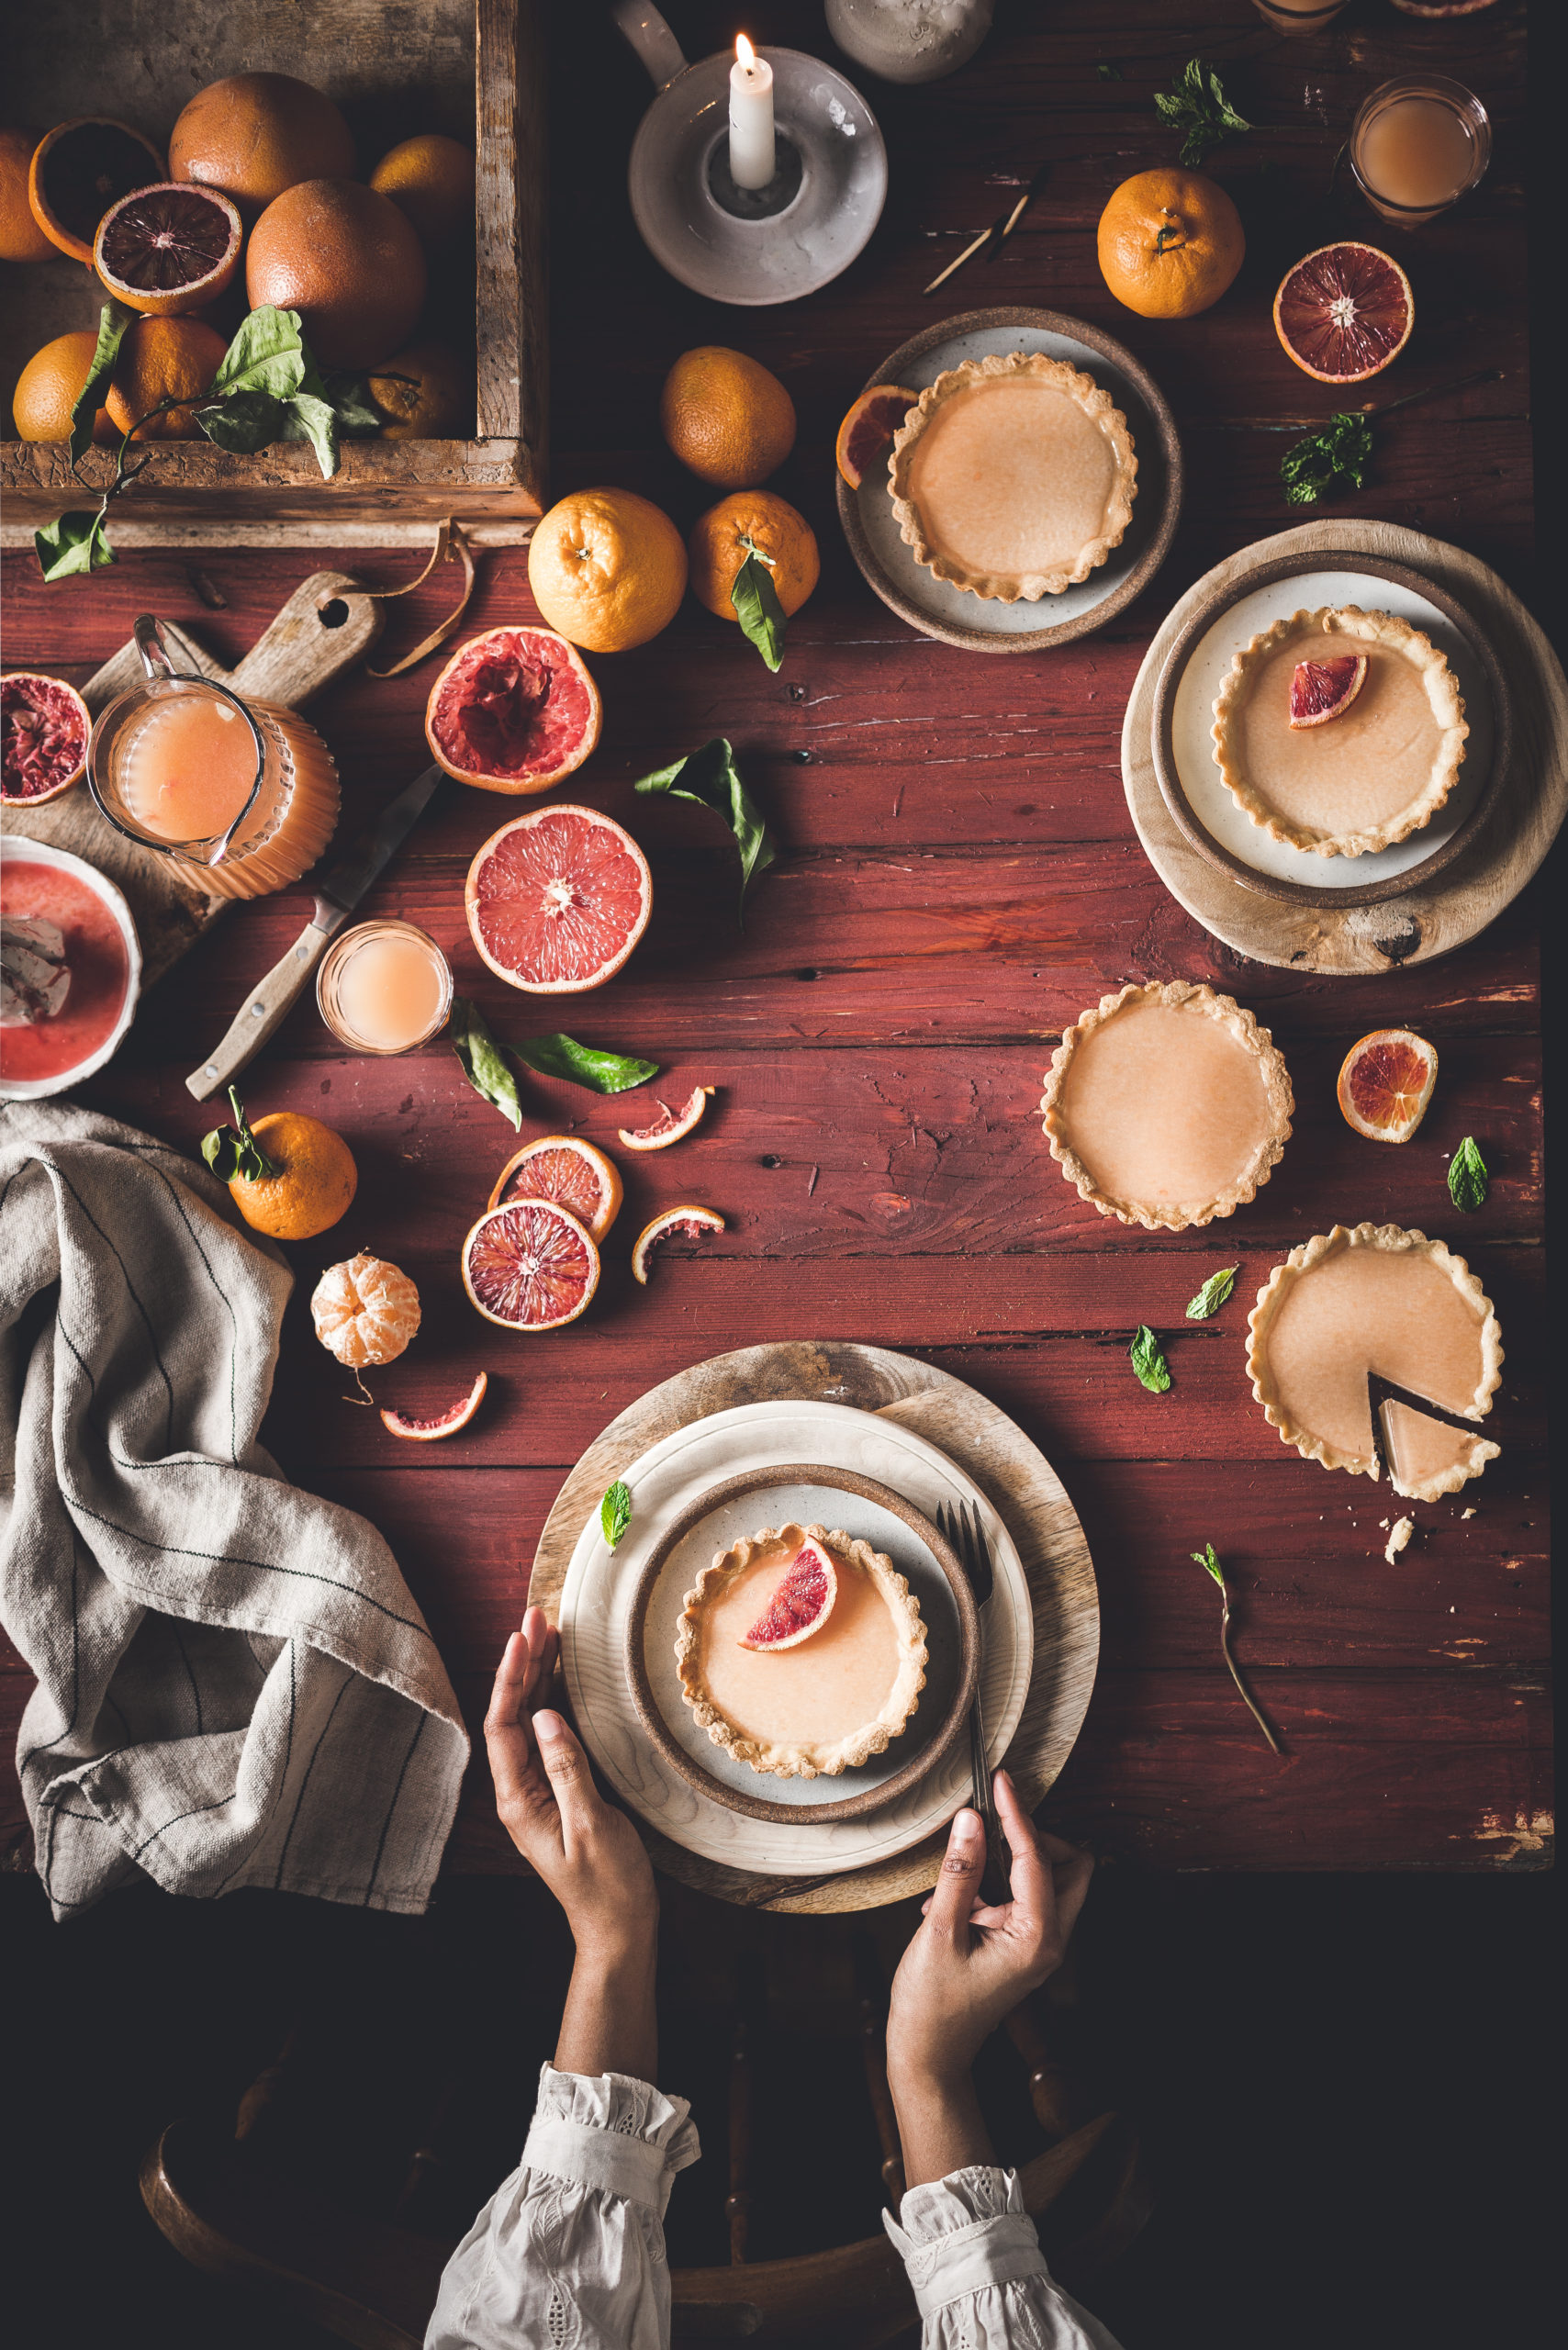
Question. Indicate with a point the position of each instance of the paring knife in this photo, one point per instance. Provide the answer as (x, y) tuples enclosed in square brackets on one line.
[(264, 1010)]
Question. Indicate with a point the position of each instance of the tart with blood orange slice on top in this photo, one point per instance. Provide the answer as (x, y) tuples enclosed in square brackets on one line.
[(564, 1168), (514, 710), (673, 1126), (688, 1222), (1386, 1082), (530, 1265), (557, 899)]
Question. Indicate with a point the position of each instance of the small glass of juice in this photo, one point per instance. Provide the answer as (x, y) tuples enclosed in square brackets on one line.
[(1416, 146), (384, 987), (1300, 16)]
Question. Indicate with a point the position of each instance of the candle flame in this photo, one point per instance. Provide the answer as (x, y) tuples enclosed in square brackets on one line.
[(746, 56)]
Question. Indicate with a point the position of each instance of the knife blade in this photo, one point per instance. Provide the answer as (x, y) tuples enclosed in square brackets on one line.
[(341, 890)]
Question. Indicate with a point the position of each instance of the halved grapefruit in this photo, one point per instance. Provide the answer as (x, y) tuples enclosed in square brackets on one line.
[(44, 726), (673, 1125), (445, 1422), (800, 1602), (513, 711), (1323, 691), (79, 170), (558, 900), (1386, 1082), (576, 1174), (867, 433), (688, 1222), (530, 1265), (1344, 313), (168, 248)]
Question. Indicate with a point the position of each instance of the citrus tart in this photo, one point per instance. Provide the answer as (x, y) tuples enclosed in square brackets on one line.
[(801, 1651), (1013, 476), (1167, 1105), (1327, 757), (1351, 1313)]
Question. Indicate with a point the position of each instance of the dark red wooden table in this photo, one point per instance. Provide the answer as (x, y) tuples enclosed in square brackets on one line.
[(957, 878)]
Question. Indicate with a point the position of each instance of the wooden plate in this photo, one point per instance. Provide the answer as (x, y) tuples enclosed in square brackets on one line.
[(939, 609), (1191, 783), (953, 1666)]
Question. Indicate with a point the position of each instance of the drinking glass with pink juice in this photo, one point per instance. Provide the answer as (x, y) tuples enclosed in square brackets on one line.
[(1417, 145), (384, 987), (242, 796)]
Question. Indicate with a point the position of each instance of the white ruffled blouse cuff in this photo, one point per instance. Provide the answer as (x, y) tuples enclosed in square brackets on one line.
[(610, 2132), (980, 2277)]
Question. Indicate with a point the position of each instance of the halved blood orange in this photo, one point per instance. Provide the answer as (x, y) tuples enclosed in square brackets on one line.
[(445, 1422), (1344, 313), (575, 1174), (530, 1265), (44, 726), (168, 248), (513, 711), (799, 1603), (1386, 1084), (1323, 690), (867, 433), (673, 1125), (558, 900), (79, 170), (687, 1222)]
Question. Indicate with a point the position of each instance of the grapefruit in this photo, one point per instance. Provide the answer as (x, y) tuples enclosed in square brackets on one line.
[(79, 170), (168, 248), (513, 711), (253, 135), (557, 899), (366, 1311), (530, 1265), (800, 1601), (1169, 242), (563, 1168), (347, 260), (445, 1422), (672, 1126), (688, 1222), (50, 385), (867, 433), (1344, 313), (162, 358), (1386, 1082), (44, 727), (21, 238), (430, 179), (607, 568), (1322, 691), (727, 417)]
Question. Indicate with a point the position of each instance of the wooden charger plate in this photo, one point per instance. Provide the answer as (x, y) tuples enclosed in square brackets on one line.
[(918, 1754)]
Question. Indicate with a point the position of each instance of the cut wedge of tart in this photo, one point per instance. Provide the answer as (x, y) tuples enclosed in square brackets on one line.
[(1378, 770), (1167, 1105), (821, 1703), (1375, 1346), (1013, 477)]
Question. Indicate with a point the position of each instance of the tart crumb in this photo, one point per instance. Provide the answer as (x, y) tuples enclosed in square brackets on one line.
[(1403, 1528)]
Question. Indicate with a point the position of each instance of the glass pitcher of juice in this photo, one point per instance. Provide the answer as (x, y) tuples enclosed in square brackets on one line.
[(240, 796)]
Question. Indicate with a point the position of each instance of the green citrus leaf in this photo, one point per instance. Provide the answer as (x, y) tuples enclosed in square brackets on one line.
[(73, 543), (112, 320), (1210, 1564), (482, 1061), (601, 1073), (710, 778), (758, 610), (267, 355)]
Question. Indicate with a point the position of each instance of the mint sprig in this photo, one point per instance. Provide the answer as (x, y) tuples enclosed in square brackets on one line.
[(615, 1512), (1213, 1295), (1199, 108), (1340, 451), (1468, 1182)]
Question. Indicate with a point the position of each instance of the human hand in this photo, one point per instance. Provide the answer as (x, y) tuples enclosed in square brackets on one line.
[(587, 1852)]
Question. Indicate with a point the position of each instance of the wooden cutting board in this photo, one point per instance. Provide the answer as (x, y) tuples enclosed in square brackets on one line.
[(325, 627)]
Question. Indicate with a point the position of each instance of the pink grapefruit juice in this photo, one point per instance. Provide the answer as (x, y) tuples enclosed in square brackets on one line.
[(392, 992), (186, 768), (1415, 153), (183, 768), (95, 954)]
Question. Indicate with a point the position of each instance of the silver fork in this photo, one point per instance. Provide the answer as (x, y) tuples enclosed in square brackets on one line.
[(965, 1531)]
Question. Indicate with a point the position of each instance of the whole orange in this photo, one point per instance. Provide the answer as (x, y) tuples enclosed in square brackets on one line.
[(726, 417), (162, 359), (255, 134), (432, 179), (1169, 244), (314, 1187), (607, 568), (347, 260), (753, 522), (21, 238), (49, 385), (425, 393)]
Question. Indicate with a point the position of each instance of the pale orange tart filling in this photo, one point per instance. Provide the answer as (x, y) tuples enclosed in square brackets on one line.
[(825, 1706), (1371, 776), (1377, 1299), (1167, 1105), (1013, 476)]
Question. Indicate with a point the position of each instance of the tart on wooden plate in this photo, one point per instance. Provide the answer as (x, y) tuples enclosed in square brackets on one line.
[(1167, 1105), (1351, 1310), (1370, 767), (1013, 477), (794, 1703)]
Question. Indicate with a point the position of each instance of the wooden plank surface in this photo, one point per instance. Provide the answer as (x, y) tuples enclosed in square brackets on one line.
[(959, 877)]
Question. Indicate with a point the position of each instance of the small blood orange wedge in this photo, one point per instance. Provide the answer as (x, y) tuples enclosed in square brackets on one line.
[(44, 727), (513, 711), (1344, 313), (79, 170), (867, 433), (530, 1265), (558, 900), (688, 1222), (673, 1125), (444, 1423), (563, 1168), (800, 1602), (169, 249), (1386, 1084), (1322, 691)]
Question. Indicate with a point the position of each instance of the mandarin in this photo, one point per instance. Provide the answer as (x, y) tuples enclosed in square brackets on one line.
[(252, 135), (727, 419), (315, 1184), (431, 180), (425, 393), (47, 389), (607, 568), (164, 359), (1169, 244), (366, 1311), (21, 238), (753, 521)]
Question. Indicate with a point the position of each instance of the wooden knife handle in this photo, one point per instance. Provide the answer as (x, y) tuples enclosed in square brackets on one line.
[(262, 1012)]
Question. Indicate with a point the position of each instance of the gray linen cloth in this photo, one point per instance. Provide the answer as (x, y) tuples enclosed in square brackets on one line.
[(235, 1686)]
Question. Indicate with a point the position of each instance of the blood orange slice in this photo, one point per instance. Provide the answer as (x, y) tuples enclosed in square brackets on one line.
[(445, 1422), (1386, 1084), (558, 900), (169, 249), (1321, 690), (1344, 313), (575, 1174), (530, 1265), (800, 1602), (513, 711), (867, 433), (44, 727), (688, 1222), (672, 1125), (79, 171)]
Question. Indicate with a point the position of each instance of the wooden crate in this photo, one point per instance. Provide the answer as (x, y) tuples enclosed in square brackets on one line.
[(472, 68)]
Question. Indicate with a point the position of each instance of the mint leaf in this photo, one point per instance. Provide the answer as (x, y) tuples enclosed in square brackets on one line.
[(73, 543), (1467, 1177), (267, 355), (1106, 72), (758, 610), (482, 1061), (112, 320), (1210, 1564), (601, 1073), (1341, 450), (615, 1512), (1199, 108), (1213, 1295), (244, 422), (1148, 1362), (710, 778)]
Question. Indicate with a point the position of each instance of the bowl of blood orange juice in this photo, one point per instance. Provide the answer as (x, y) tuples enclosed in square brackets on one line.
[(70, 969)]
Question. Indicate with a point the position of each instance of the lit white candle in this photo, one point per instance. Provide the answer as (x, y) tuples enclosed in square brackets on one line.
[(751, 117)]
